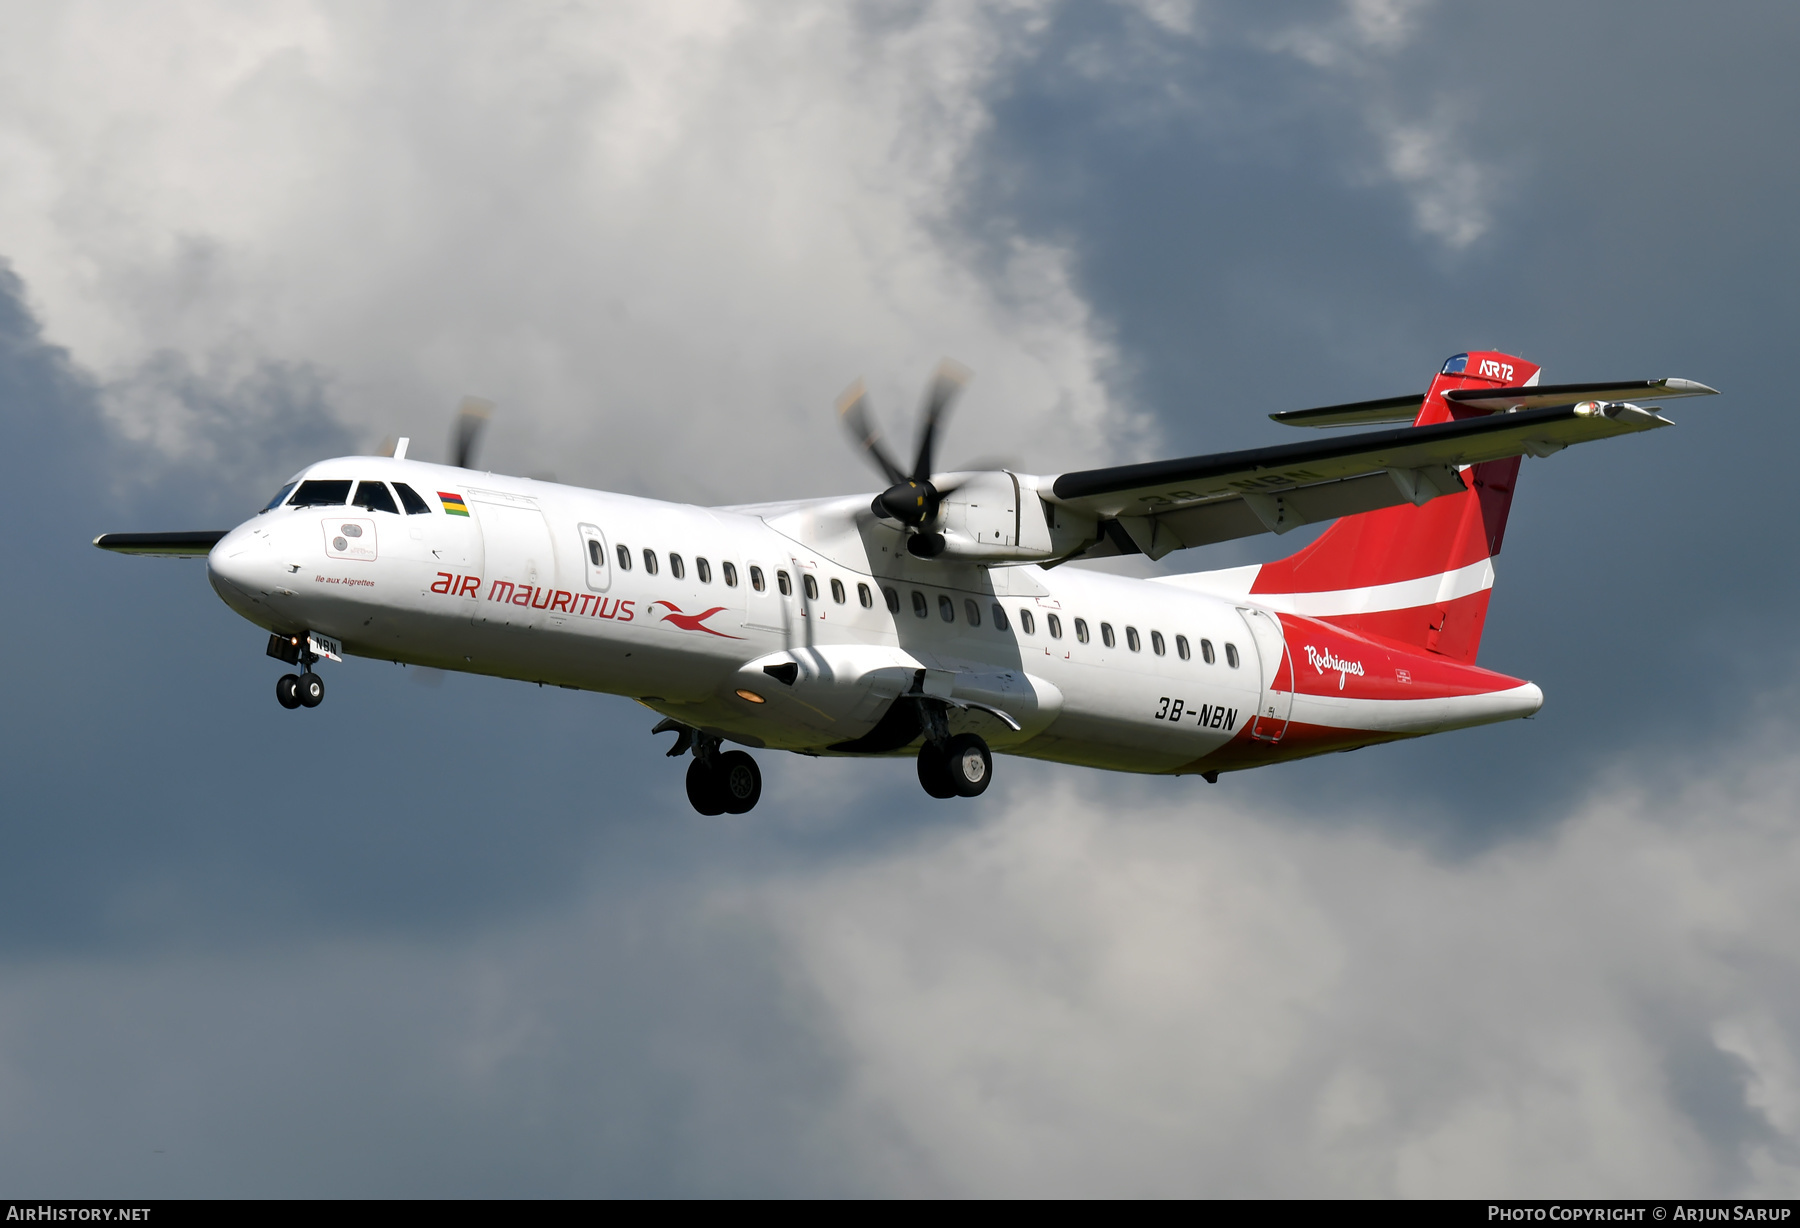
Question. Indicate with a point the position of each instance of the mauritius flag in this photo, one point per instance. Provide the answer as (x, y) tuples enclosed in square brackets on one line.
[(453, 503)]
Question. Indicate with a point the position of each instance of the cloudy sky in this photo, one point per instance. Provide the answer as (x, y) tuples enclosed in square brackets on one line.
[(468, 938)]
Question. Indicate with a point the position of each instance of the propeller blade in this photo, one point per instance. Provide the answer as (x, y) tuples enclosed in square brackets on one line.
[(471, 416), (946, 385), (853, 411)]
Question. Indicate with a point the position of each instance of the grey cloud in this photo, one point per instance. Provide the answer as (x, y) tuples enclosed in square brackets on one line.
[(1081, 992)]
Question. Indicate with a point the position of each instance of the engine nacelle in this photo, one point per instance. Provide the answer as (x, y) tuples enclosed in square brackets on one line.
[(996, 516)]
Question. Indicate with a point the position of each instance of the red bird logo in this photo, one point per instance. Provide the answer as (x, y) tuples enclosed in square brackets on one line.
[(693, 622)]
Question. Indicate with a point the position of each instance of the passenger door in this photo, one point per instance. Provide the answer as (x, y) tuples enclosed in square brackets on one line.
[(595, 558)]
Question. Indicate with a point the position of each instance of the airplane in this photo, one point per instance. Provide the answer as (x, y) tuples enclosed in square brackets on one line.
[(936, 619)]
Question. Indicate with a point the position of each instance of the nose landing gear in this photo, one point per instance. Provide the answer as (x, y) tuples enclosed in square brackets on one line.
[(304, 690), (718, 782)]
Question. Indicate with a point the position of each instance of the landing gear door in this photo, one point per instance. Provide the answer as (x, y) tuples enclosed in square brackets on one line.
[(1276, 704)]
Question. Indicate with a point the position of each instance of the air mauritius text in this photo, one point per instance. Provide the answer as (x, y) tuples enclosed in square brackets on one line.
[(557, 601)]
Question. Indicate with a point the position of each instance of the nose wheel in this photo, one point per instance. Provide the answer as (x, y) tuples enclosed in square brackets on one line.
[(302, 690)]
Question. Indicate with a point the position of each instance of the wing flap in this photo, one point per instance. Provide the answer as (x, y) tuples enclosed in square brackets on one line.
[(195, 545)]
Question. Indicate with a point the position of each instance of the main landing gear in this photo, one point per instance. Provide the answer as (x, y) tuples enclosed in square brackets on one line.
[(718, 782), (303, 690), (959, 766)]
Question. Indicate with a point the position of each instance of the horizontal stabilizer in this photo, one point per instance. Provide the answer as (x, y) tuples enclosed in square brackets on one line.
[(1357, 413), (1543, 396), (162, 545)]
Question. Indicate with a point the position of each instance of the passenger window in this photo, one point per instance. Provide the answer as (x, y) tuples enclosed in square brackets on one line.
[(375, 497), (1231, 657), (864, 596), (972, 610), (810, 585), (409, 499), (677, 568), (281, 494), (596, 556), (783, 583), (1026, 623), (1053, 624), (624, 554), (892, 598), (920, 608), (837, 591), (1206, 652), (322, 494), (1181, 647), (1000, 618), (703, 569), (1156, 643), (1106, 635), (649, 560), (730, 571), (1131, 639), (946, 609), (756, 578), (1081, 632)]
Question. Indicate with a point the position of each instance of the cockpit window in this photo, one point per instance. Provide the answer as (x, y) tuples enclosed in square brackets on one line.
[(409, 499), (322, 494), (375, 497), (279, 496)]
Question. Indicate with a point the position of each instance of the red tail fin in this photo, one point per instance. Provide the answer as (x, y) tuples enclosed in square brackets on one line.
[(1416, 575)]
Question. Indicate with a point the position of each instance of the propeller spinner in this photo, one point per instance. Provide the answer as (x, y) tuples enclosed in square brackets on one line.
[(913, 498)]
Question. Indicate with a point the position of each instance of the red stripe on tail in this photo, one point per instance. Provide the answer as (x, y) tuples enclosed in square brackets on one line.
[(1408, 543)]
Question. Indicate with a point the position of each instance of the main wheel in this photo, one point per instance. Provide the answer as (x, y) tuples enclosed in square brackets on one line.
[(287, 691), (312, 689), (968, 764), (934, 772), (740, 781), (704, 789)]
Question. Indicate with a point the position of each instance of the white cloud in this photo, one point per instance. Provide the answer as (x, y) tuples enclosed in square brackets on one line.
[(633, 226)]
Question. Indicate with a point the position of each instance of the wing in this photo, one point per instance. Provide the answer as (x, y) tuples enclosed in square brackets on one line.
[(1169, 505), (162, 545)]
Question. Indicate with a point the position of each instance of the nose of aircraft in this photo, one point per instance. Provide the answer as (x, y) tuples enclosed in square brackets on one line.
[(241, 568)]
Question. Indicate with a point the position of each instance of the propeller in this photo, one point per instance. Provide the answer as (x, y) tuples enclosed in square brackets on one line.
[(912, 498), (471, 418)]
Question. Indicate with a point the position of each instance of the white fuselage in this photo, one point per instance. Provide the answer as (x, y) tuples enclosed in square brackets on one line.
[(532, 584)]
